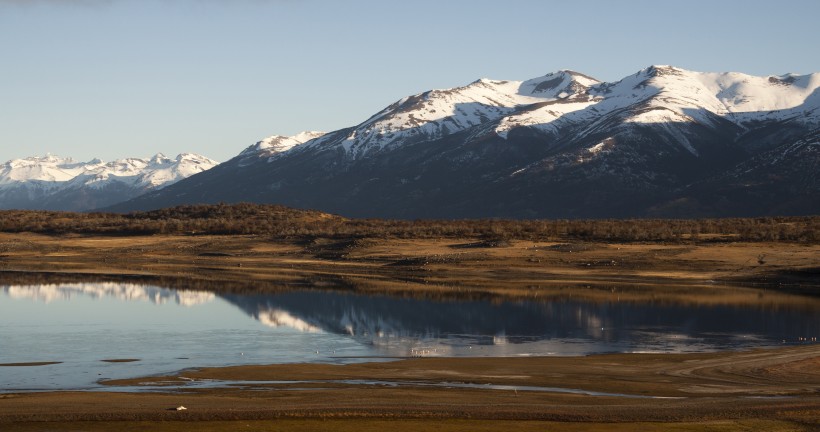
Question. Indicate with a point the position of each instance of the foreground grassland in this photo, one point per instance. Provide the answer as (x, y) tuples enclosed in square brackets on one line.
[(264, 249)]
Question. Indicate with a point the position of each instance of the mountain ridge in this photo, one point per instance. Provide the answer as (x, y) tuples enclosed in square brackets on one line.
[(60, 183), (563, 145)]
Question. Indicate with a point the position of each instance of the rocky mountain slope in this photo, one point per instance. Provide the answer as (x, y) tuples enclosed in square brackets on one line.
[(662, 142), (56, 183)]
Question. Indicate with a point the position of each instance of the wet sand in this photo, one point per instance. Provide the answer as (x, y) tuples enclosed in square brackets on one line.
[(756, 373), (775, 388)]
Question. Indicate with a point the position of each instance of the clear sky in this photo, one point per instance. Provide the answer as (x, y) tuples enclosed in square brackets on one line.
[(123, 78)]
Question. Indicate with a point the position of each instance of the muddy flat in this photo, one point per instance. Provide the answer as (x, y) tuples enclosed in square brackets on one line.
[(775, 388)]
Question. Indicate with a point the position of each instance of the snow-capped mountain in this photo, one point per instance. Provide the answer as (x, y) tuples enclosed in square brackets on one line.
[(56, 183), (661, 142), (276, 144)]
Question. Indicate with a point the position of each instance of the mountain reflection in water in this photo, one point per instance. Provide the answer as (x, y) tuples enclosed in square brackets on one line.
[(121, 291), (399, 326), (601, 326), (169, 330)]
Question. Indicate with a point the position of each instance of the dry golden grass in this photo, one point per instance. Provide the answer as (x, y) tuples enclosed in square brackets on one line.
[(442, 267)]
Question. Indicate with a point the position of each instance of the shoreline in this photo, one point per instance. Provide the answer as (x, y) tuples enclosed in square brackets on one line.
[(662, 374), (778, 385)]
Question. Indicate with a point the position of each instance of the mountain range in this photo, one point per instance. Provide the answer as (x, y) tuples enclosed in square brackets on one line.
[(55, 183), (662, 142)]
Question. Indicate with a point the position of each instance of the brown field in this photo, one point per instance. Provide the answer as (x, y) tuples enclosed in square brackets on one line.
[(708, 272), (758, 390)]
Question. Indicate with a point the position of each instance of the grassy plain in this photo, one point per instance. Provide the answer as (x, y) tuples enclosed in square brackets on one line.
[(700, 272)]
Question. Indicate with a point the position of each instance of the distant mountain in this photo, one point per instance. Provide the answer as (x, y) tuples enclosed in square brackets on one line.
[(661, 142), (55, 183)]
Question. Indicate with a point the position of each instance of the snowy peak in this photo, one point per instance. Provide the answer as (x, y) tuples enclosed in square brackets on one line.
[(275, 144), (658, 94), (155, 172), (34, 182), (162, 171), (48, 168), (735, 92), (742, 93), (437, 113), (663, 94), (671, 96), (158, 159), (558, 85), (661, 70)]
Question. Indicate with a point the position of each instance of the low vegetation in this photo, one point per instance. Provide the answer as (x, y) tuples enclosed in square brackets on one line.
[(283, 222)]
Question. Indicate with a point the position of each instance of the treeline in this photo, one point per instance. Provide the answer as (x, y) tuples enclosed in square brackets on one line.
[(283, 222)]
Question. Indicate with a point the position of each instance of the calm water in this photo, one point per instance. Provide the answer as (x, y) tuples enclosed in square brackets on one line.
[(82, 324)]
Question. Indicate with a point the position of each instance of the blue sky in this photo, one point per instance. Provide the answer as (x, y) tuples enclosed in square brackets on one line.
[(122, 78)]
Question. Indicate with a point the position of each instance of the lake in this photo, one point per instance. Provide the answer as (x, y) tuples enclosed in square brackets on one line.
[(164, 330)]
